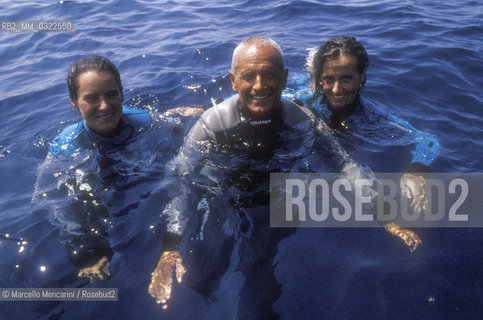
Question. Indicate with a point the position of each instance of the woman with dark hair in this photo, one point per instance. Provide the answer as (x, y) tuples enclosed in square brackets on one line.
[(338, 71), (100, 168), (339, 74), (95, 89), (88, 163)]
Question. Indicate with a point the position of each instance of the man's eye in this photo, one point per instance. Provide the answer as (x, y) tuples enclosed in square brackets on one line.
[(113, 94), (347, 79), (248, 76), (271, 76), (90, 99)]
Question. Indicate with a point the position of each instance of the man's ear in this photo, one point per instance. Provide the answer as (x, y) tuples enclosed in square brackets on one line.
[(232, 79), (74, 104)]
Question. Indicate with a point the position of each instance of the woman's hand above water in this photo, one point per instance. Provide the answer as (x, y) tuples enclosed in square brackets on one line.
[(99, 271), (409, 237), (412, 187)]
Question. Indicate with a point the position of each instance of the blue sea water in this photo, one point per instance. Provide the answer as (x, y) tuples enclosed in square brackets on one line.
[(425, 67)]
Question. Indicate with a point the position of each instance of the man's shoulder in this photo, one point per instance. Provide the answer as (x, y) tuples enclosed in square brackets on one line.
[(294, 113), (218, 118), (224, 107), (221, 115)]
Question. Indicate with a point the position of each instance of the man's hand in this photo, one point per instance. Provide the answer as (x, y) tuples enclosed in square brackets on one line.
[(409, 237), (184, 111), (99, 271), (162, 276), (412, 187)]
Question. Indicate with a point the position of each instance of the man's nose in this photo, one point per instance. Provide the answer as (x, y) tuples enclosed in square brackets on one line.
[(259, 82)]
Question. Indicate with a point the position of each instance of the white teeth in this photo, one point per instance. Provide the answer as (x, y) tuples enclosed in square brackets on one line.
[(259, 97), (339, 97), (105, 116)]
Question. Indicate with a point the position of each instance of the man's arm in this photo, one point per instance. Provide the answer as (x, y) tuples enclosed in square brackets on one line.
[(179, 211)]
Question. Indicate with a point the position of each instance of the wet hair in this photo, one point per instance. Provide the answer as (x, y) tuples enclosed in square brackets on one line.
[(259, 42), (309, 61), (333, 48), (90, 63)]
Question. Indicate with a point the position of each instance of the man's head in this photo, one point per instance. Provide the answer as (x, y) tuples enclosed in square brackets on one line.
[(339, 72), (259, 76)]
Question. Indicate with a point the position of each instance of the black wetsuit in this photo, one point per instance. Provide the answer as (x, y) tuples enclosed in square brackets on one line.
[(228, 128), (235, 202)]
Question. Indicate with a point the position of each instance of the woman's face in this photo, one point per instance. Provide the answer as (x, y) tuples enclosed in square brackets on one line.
[(99, 100), (341, 81)]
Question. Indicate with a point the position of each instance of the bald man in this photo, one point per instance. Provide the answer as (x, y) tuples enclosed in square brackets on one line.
[(249, 122), (252, 122)]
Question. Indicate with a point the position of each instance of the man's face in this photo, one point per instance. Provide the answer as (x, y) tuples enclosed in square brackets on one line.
[(99, 100), (341, 81), (259, 79)]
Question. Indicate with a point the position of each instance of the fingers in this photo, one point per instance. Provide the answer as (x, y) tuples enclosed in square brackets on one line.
[(416, 242), (99, 271), (405, 190), (184, 111), (162, 277), (180, 270), (412, 187), (160, 287), (419, 204), (410, 238), (414, 247)]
